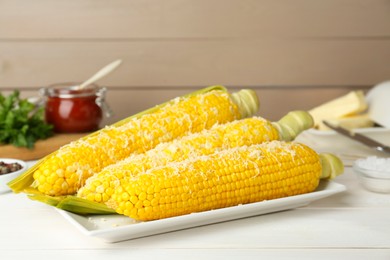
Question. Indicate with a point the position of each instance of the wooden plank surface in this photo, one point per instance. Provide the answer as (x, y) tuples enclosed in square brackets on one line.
[(205, 253), (198, 62), (169, 47), (124, 19), (299, 228), (309, 232)]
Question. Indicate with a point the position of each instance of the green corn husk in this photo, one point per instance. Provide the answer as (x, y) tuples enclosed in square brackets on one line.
[(84, 207), (49, 200), (73, 204)]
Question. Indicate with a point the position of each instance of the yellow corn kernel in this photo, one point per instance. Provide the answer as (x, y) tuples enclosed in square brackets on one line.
[(239, 175), (221, 136), (247, 131), (81, 159)]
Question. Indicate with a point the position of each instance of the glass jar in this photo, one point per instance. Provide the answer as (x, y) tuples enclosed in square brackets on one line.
[(73, 110)]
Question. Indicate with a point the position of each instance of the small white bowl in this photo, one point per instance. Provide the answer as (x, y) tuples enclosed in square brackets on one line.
[(6, 178), (372, 175)]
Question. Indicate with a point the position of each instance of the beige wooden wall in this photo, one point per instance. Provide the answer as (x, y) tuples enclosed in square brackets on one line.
[(295, 54)]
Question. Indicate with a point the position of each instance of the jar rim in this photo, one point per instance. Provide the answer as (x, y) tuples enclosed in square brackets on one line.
[(69, 90)]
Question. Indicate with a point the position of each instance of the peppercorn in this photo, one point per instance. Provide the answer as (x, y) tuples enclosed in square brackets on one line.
[(9, 167)]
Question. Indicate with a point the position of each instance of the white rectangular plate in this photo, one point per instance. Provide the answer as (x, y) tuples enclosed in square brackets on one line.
[(114, 228)]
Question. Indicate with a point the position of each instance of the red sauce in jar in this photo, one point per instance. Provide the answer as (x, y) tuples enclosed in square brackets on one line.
[(71, 110)]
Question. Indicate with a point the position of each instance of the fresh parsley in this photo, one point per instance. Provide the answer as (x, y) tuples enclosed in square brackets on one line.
[(21, 123)]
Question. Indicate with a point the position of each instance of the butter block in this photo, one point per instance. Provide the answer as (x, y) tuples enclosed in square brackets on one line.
[(350, 104), (350, 122)]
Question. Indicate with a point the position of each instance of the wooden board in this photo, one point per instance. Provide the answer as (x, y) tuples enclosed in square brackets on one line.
[(41, 148)]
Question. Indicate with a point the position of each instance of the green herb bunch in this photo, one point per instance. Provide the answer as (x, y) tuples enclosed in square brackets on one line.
[(21, 122)]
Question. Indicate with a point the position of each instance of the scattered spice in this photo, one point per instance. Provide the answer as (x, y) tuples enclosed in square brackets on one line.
[(9, 167)]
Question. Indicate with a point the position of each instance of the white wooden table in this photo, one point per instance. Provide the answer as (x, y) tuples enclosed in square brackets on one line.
[(354, 224)]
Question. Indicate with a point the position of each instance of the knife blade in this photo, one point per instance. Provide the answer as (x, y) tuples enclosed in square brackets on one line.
[(359, 138)]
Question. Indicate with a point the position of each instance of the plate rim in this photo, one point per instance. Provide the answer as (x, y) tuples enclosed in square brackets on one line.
[(325, 189)]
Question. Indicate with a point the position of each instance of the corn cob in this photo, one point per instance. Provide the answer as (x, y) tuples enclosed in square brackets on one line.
[(231, 177), (65, 171), (255, 130)]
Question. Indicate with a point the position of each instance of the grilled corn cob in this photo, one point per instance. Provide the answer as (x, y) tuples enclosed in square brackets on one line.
[(255, 130), (231, 177), (65, 171)]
